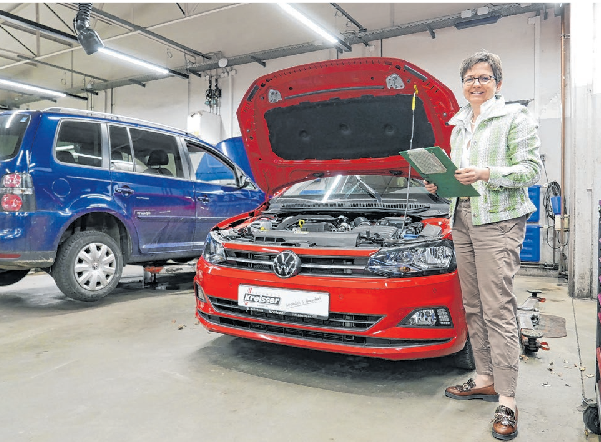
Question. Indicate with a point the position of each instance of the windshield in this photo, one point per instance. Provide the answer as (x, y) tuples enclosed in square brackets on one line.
[(12, 129), (353, 187)]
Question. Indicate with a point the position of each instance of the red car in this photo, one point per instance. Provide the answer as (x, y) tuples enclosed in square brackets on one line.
[(350, 254)]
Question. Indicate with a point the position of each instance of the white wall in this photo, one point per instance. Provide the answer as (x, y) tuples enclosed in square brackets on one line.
[(513, 38), (522, 44), (583, 155)]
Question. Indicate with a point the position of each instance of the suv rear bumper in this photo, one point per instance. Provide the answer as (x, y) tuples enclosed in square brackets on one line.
[(27, 260)]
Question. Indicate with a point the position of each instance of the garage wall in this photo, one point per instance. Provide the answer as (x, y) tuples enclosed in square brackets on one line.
[(529, 47)]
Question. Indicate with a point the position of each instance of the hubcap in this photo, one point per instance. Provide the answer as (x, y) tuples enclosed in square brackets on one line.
[(95, 266)]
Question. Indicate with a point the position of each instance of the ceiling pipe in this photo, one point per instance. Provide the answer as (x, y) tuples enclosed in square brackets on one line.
[(564, 37)]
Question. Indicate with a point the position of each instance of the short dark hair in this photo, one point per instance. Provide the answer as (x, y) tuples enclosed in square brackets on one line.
[(493, 60)]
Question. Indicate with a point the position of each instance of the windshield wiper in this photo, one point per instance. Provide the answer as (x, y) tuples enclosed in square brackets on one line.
[(371, 191)]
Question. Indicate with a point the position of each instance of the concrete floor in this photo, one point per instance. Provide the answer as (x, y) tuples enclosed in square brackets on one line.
[(136, 366)]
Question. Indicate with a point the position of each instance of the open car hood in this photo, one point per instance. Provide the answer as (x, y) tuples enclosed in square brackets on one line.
[(347, 116)]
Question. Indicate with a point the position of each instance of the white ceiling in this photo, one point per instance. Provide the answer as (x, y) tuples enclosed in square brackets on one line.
[(218, 30)]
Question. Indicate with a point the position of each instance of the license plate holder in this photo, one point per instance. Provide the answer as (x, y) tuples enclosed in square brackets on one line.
[(300, 303)]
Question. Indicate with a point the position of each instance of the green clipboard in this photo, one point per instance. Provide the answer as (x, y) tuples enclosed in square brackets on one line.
[(433, 164)]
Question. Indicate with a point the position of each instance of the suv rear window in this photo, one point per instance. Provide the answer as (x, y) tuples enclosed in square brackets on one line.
[(78, 142), (12, 129)]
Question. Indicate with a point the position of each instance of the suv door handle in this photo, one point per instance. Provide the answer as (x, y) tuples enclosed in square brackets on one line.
[(125, 190), (203, 199)]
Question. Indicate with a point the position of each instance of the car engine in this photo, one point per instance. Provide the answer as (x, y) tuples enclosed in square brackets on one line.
[(344, 231)]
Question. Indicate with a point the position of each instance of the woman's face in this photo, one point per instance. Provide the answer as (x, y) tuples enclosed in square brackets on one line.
[(477, 93)]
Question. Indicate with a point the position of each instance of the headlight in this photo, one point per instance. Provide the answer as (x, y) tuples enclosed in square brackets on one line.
[(427, 258), (214, 251)]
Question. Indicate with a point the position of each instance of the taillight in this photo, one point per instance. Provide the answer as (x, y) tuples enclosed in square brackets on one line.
[(11, 203), (16, 190), (12, 180)]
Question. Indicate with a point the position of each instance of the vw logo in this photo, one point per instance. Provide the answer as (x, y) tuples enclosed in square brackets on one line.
[(287, 264)]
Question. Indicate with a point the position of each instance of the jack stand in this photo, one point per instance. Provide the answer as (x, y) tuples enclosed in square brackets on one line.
[(528, 320), (150, 277)]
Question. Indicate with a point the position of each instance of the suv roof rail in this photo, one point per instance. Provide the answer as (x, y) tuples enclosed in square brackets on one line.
[(121, 118)]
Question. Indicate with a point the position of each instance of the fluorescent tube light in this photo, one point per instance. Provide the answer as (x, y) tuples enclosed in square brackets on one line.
[(308, 23), (136, 61), (29, 88)]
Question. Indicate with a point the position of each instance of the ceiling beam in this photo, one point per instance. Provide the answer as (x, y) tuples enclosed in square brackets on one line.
[(13, 58), (23, 57), (32, 32), (501, 10), (127, 34), (153, 35), (348, 17), (37, 27), (60, 34)]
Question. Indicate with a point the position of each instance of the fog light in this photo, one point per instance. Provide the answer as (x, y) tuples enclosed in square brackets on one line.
[(428, 317)]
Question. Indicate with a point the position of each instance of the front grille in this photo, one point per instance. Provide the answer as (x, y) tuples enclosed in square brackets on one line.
[(341, 321), (310, 335), (353, 266)]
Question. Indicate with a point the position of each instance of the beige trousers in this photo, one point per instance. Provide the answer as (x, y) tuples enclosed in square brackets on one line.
[(488, 257)]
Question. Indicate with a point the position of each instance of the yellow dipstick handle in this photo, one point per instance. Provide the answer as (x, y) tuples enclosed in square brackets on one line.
[(414, 94), (301, 222)]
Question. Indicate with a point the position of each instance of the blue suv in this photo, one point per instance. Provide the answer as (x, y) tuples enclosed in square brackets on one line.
[(84, 193)]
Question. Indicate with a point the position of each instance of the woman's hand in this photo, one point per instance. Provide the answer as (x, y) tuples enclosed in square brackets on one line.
[(430, 187), (469, 175)]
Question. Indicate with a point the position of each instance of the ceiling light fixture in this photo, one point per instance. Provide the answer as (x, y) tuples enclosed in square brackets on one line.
[(133, 60), (311, 25), (28, 88), (91, 42)]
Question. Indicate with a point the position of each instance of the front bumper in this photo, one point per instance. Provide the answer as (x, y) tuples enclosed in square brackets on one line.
[(390, 299)]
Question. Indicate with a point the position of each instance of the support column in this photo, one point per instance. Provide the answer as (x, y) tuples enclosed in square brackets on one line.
[(583, 153)]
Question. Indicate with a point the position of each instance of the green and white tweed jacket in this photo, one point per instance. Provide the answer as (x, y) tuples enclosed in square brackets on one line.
[(506, 141)]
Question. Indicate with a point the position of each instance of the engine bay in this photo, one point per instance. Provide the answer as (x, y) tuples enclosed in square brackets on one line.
[(342, 231)]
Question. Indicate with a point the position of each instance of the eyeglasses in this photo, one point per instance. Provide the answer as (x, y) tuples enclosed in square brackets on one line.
[(482, 79)]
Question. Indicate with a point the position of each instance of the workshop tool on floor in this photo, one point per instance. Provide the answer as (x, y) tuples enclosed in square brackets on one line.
[(528, 321)]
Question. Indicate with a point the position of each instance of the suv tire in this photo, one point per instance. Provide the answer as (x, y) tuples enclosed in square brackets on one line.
[(88, 266), (8, 277)]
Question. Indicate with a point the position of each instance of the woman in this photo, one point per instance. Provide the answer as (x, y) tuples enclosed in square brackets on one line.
[(496, 149)]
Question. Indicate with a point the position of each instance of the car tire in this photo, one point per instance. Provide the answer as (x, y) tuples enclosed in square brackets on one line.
[(464, 358), (8, 277), (591, 418), (88, 266)]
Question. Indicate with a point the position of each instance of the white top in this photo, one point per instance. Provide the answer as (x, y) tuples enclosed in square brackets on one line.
[(465, 152)]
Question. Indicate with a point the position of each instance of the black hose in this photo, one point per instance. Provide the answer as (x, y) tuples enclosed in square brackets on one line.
[(553, 189), (82, 19)]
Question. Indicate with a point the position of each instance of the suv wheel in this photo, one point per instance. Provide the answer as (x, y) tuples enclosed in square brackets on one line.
[(88, 266), (8, 277)]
